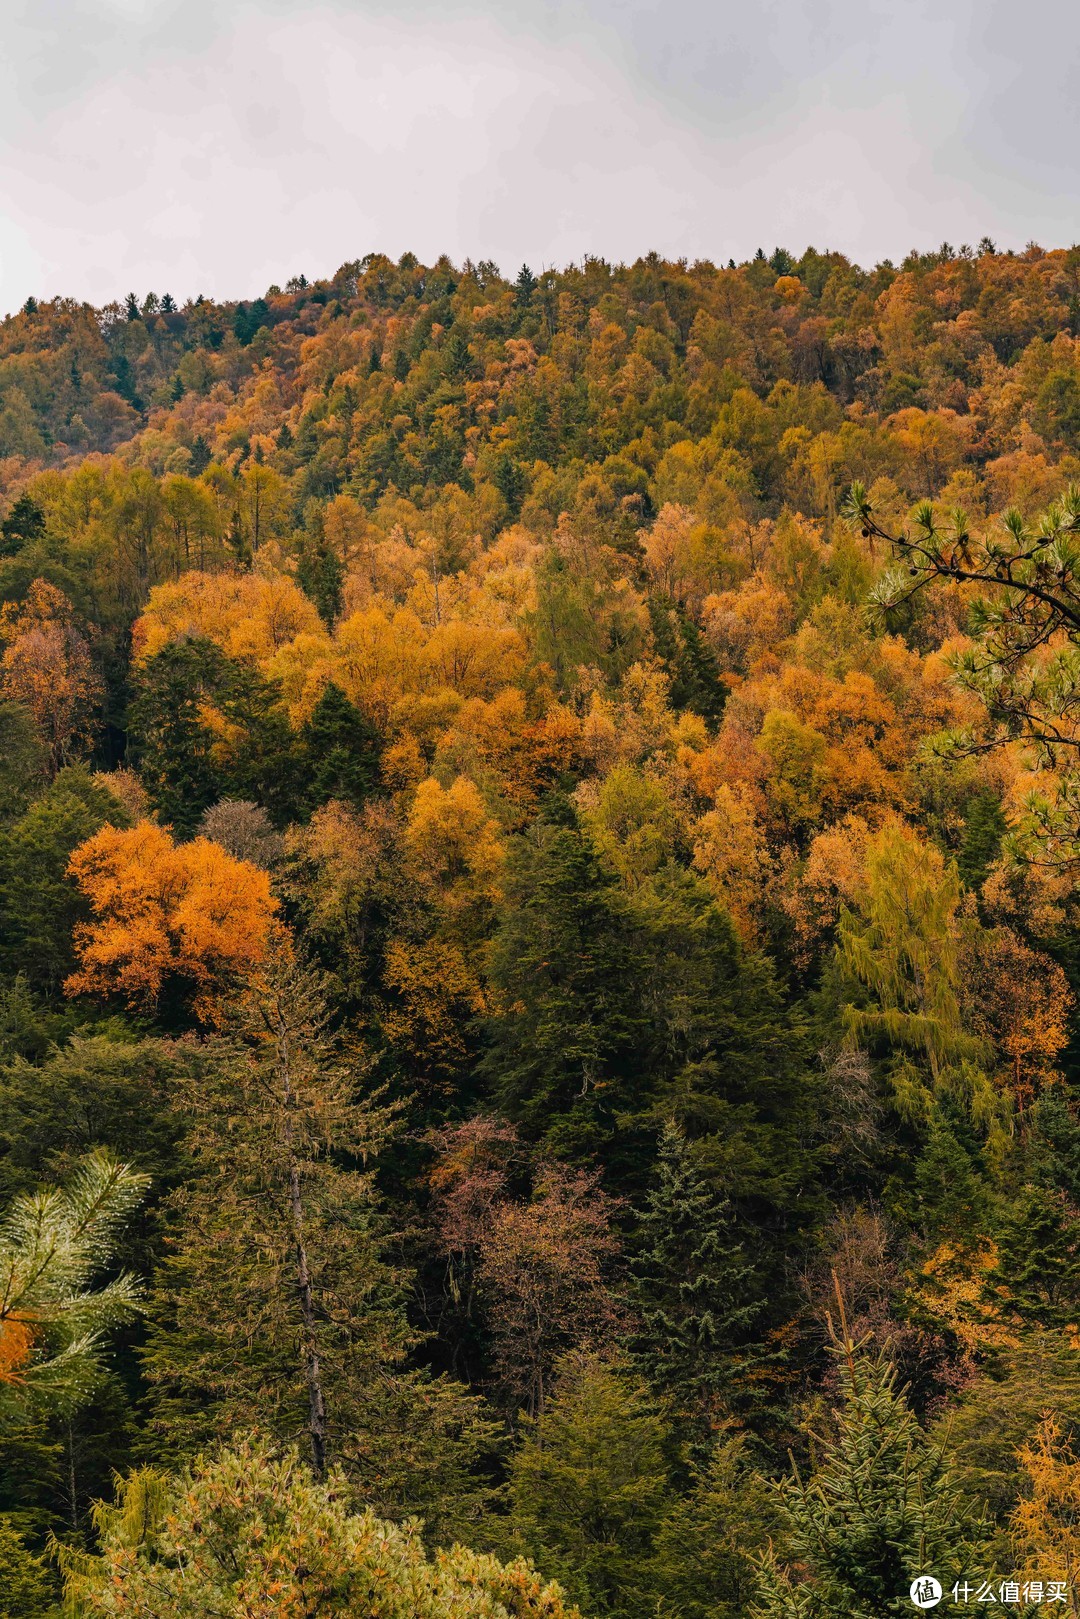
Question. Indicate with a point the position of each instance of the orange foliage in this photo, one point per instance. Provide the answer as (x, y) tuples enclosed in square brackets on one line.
[(46, 666), (16, 1344), (164, 910)]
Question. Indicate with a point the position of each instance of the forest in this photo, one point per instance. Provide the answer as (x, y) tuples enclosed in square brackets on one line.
[(539, 943)]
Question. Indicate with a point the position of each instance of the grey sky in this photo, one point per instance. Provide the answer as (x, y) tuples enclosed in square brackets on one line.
[(205, 145)]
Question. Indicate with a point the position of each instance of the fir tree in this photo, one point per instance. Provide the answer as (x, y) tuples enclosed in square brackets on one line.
[(342, 751), (881, 1506), (694, 1293)]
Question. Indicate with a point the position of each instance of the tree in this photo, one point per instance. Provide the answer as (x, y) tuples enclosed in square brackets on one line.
[(206, 726), (24, 524), (903, 946), (880, 1506), (46, 666), (706, 1549), (694, 1293), (341, 749), (1046, 1520), (26, 1583), (52, 1245), (543, 1275), (39, 906), (589, 1487), (276, 1310), (617, 1012), (251, 1531), (1025, 583), (163, 913)]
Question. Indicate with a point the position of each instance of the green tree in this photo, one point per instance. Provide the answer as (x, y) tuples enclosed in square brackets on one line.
[(694, 1292), (880, 1506), (341, 748), (902, 947), (275, 1310), (251, 1531), (27, 1587), (23, 760), (621, 1011), (589, 1487), (706, 1549)]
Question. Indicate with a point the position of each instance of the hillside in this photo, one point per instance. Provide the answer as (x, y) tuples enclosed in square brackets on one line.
[(583, 949)]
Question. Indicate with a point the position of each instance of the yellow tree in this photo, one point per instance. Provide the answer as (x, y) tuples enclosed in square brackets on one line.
[(1046, 1522)]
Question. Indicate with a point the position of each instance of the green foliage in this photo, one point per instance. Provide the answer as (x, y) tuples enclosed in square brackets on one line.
[(341, 751), (621, 1011), (881, 1505), (694, 1293), (27, 1587), (589, 1488), (276, 1310), (250, 1531)]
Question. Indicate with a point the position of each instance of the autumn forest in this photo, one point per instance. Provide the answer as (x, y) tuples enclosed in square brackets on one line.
[(540, 941)]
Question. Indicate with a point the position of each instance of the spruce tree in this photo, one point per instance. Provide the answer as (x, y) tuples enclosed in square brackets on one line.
[(880, 1507), (695, 1294)]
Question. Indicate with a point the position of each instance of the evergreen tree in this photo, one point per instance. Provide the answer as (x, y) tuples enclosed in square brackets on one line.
[(984, 828), (23, 760), (23, 525), (27, 1585), (589, 1488), (275, 1311), (342, 751), (621, 1011), (524, 287), (694, 1293), (880, 1507), (706, 1550)]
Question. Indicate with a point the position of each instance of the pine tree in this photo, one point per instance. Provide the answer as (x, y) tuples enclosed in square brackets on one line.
[(53, 1243), (276, 1311), (880, 1507), (694, 1293)]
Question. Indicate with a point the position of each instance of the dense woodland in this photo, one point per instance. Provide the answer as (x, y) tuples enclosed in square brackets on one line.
[(539, 940)]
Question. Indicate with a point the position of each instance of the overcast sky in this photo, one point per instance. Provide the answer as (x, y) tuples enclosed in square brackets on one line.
[(210, 146)]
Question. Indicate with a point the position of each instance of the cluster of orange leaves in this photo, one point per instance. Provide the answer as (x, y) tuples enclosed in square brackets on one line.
[(163, 910)]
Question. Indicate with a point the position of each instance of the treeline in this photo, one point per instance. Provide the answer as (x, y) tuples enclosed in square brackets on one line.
[(539, 940)]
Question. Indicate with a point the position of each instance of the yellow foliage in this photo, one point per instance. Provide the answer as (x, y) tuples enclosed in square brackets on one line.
[(163, 910), (248, 615), (1046, 1521), (731, 852), (456, 846)]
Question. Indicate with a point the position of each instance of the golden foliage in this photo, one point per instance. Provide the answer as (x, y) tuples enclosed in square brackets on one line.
[(164, 910)]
